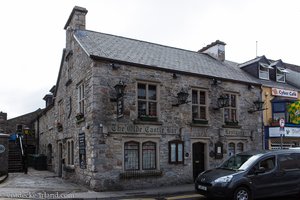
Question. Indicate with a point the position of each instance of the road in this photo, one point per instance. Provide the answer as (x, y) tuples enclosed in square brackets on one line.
[(194, 196)]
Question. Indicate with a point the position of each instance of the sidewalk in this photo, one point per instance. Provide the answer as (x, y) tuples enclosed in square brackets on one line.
[(45, 185)]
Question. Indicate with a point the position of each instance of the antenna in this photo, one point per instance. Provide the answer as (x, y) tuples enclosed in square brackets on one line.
[(256, 48)]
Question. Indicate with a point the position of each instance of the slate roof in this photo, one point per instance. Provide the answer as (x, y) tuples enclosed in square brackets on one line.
[(116, 48)]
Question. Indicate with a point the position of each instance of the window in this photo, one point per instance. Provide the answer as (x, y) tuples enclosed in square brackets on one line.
[(231, 149), (70, 150), (230, 112), (147, 100), (279, 111), (133, 156), (60, 111), (149, 155), (80, 89), (280, 75), (235, 148), (264, 71), (239, 147), (69, 66), (176, 152), (289, 161), (199, 105), (268, 163)]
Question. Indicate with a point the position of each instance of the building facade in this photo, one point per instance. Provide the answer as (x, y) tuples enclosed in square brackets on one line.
[(130, 114)]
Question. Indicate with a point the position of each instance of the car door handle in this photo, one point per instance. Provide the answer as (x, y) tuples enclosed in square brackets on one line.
[(197, 161)]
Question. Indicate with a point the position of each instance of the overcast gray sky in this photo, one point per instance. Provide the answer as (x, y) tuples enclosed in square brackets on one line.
[(32, 35)]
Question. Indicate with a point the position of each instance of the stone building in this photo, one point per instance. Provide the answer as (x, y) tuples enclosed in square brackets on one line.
[(129, 114), (20, 124)]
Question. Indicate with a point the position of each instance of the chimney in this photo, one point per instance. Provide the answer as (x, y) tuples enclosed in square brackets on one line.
[(48, 99), (76, 19), (215, 49)]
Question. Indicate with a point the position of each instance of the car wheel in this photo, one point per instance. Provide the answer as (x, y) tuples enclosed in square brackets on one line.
[(242, 193)]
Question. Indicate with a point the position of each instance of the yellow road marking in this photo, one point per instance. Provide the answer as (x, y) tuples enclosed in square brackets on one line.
[(184, 197)]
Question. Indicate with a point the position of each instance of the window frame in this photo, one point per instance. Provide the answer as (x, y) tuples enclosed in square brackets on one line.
[(177, 143), (126, 166), (200, 105), (231, 149), (147, 100), (142, 150), (284, 111), (280, 74), (81, 98), (70, 152), (230, 109), (60, 111), (264, 74), (140, 156)]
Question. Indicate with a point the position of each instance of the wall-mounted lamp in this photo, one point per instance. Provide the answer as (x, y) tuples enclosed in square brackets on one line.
[(114, 66), (216, 81), (223, 101), (182, 97), (250, 87), (120, 87), (257, 106)]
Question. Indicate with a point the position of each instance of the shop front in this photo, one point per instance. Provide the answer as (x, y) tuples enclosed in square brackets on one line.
[(283, 127)]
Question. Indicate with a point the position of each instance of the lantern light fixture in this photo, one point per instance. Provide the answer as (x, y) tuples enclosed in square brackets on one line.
[(182, 97)]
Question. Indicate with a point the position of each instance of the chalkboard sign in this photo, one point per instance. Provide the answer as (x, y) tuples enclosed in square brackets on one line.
[(82, 151)]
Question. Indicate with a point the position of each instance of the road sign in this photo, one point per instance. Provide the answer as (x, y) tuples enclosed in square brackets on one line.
[(281, 123)]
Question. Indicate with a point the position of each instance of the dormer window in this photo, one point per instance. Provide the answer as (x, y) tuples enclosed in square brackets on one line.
[(280, 74), (264, 71)]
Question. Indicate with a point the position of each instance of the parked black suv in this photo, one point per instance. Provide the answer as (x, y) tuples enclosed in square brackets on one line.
[(253, 174)]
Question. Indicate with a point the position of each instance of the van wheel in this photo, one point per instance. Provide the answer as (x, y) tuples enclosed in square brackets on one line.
[(242, 193)]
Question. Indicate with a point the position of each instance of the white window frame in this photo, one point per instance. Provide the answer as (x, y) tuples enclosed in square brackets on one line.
[(264, 71), (280, 73)]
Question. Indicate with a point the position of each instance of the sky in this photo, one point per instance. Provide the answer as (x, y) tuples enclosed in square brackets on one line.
[(32, 37)]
